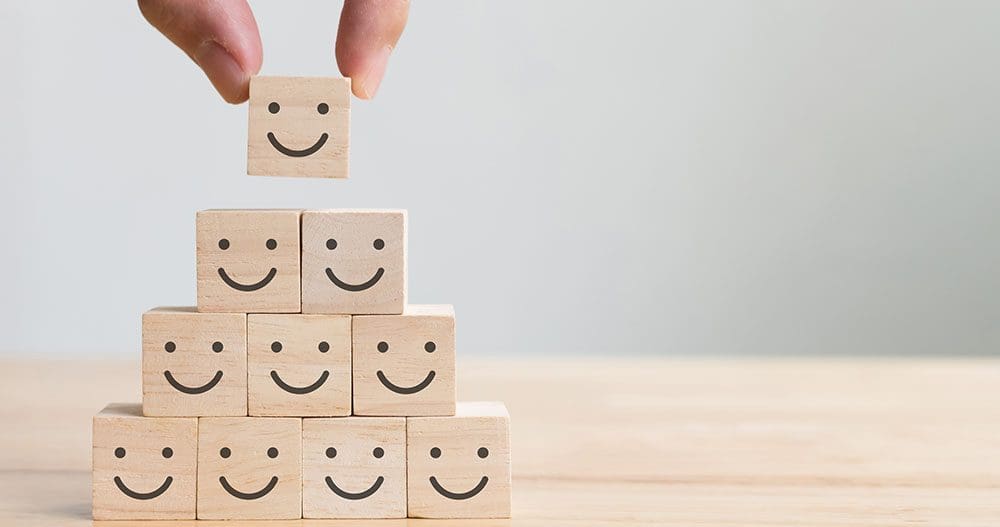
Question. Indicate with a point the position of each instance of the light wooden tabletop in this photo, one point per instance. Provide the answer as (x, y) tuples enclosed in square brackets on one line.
[(629, 441)]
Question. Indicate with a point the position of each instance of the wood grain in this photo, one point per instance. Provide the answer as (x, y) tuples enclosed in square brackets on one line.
[(411, 351), (303, 352), (248, 261), (290, 109), (252, 454), (344, 449), (626, 441), (466, 455), (365, 250), (197, 350), (145, 455)]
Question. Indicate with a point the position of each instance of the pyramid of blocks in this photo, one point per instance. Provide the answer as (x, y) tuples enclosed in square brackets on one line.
[(302, 385)]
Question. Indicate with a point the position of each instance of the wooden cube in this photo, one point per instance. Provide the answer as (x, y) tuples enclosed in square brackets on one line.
[(354, 467), (299, 126), (248, 261), (193, 363), (144, 468), (405, 364), (249, 468), (299, 365), (354, 261), (459, 466)]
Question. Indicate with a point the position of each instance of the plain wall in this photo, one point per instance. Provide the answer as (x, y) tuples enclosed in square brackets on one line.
[(602, 178)]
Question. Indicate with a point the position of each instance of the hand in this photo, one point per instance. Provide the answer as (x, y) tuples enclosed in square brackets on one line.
[(221, 36)]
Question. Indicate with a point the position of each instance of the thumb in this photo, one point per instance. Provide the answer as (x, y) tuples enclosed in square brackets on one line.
[(369, 30), (221, 36)]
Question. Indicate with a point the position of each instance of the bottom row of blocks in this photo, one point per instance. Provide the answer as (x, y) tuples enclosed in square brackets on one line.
[(285, 468)]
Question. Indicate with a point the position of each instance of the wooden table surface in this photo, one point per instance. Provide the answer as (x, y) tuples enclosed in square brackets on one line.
[(628, 441)]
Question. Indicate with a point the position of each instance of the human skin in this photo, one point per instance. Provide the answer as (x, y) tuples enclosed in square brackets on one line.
[(222, 38)]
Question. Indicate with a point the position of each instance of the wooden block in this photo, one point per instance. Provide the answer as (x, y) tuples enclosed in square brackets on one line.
[(299, 365), (459, 466), (354, 261), (193, 363), (144, 468), (299, 126), (249, 468), (405, 364), (248, 261), (354, 467)]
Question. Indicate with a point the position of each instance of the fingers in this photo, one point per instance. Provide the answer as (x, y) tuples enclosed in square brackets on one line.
[(221, 36), (369, 30)]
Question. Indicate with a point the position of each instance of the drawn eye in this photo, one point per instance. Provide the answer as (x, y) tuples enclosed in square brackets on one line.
[(378, 452), (273, 107), (331, 452), (430, 347), (378, 244), (169, 347), (383, 347), (168, 452), (272, 452), (225, 452), (119, 452), (324, 347), (435, 452), (322, 108), (223, 244), (271, 244), (483, 452), (217, 346), (276, 346), (331, 244)]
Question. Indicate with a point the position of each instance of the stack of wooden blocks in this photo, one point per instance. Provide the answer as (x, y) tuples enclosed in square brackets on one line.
[(302, 385)]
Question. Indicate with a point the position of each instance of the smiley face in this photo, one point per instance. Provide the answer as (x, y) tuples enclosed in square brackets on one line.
[(193, 363), (167, 453), (248, 261), (322, 109), (171, 347), (299, 365), (354, 262), (482, 452), (378, 244), (459, 466), (378, 452), (144, 468), (405, 364), (249, 468), (225, 452), (354, 467), (383, 347), (271, 245), (298, 126)]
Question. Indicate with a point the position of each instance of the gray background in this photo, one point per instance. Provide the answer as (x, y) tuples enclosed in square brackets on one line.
[(600, 178)]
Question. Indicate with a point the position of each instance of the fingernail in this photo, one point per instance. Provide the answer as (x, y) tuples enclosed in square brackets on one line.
[(371, 81), (223, 71)]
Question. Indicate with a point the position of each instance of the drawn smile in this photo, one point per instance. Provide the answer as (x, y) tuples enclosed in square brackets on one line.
[(354, 287), (197, 389), (402, 390), (354, 495), (459, 495), (250, 287), (143, 495), (296, 390), (251, 495), (297, 153)]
